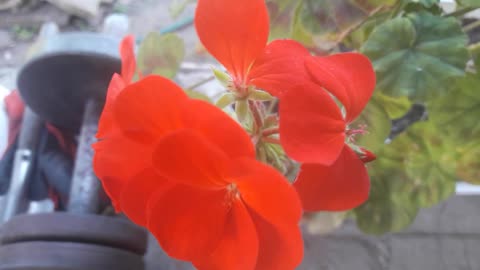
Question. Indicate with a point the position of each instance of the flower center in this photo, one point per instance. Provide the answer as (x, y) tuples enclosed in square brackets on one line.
[(352, 133), (232, 194)]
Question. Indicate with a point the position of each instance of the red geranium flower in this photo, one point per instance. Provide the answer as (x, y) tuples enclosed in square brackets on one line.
[(118, 82), (314, 132), (236, 34), (187, 171)]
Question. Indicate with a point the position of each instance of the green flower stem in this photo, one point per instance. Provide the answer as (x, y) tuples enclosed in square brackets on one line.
[(271, 140)]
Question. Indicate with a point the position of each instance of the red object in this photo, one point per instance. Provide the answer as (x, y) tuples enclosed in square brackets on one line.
[(187, 171), (14, 108), (313, 131), (236, 34), (117, 83)]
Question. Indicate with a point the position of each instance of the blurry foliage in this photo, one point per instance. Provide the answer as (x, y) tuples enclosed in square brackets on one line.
[(420, 55), (161, 54)]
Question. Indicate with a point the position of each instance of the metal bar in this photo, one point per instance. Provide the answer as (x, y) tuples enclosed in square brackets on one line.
[(15, 199), (85, 187)]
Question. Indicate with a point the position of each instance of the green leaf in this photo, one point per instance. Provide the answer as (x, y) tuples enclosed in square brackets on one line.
[(395, 107), (225, 100), (426, 3), (430, 162), (299, 33), (389, 207), (414, 56), (377, 124), (457, 113), (281, 15), (222, 77), (161, 54), (431, 6), (321, 16), (369, 5), (178, 6), (468, 163), (468, 3), (241, 110), (416, 170), (260, 95), (198, 95)]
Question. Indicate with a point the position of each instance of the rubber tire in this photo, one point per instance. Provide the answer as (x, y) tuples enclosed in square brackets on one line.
[(66, 256), (114, 232)]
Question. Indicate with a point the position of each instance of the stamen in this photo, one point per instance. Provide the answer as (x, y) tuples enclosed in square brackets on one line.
[(232, 194)]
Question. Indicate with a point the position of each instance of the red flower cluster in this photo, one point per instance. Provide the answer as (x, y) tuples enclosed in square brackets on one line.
[(313, 130), (188, 172)]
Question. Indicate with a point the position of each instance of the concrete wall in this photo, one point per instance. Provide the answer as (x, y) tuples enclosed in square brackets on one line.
[(445, 237)]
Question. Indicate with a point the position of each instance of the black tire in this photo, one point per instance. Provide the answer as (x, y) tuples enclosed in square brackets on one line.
[(114, 232), (66, 256)]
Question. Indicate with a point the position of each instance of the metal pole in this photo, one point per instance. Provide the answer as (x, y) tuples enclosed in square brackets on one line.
[(15, 199), (85, 188)]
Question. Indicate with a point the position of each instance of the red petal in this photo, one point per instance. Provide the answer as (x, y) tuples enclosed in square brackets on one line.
[(342, 186), (128, 58), (235, 32), (266, 191), (348, 76), (188, 222), (280, 67), (113, 163), (238, 248), (137, 192), (106, 124), (367, 156), (312, 129), (149, 108), (219, 128), (280, 245), (187, 157)]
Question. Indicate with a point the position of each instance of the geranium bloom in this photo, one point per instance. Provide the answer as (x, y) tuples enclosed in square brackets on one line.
[(314, 132), (118, 82), (187, 171), (236, 34)]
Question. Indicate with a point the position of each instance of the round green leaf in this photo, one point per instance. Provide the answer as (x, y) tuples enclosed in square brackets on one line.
[(414, 55), (389, 207), (458, 112), (430, 163), (160, 54)]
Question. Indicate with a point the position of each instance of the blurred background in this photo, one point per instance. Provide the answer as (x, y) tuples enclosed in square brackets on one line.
[(423, 121)]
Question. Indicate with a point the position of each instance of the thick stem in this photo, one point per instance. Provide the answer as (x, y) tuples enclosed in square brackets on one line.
[(270, 131), (256, 114)]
